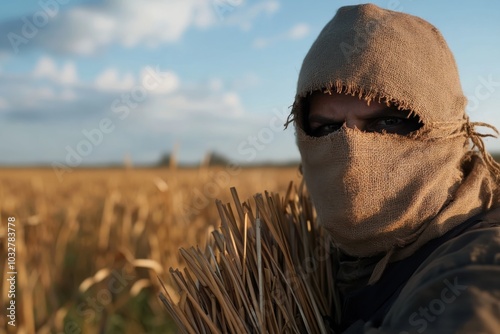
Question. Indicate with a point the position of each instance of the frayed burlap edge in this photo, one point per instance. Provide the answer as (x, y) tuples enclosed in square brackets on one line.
[(462, 127)]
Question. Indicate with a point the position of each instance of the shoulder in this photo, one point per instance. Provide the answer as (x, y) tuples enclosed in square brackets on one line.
[(457, 288)]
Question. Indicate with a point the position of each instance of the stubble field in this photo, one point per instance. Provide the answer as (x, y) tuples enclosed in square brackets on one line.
[(89, 248)]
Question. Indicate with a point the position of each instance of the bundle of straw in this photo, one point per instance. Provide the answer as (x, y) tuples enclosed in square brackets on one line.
[(268, 269)]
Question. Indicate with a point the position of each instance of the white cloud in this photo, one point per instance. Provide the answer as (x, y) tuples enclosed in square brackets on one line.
[(244, 17), (232, 100), (68, 73), (193, 105), (110, 79), (90, 29), (297, 32), (47, 68), (87, 30), (167, 83), (168, 97)]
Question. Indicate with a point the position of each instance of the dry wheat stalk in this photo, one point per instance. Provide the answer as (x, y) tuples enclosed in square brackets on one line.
[(268, 269)]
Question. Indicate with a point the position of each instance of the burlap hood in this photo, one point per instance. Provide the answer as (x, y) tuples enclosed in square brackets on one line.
[(397, 58), (382, 54)]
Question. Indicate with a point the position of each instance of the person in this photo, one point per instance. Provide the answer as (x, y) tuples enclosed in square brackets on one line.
[(399, 177)]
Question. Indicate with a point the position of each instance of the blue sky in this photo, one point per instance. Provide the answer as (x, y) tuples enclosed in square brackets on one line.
[(221, 75)]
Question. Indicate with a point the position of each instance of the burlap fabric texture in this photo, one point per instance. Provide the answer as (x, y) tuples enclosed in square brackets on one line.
[(386, 194)]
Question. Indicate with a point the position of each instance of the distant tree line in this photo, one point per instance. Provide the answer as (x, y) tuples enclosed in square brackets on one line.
[(212, 159)]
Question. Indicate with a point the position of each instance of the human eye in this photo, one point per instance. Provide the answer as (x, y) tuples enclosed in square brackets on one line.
[(389, 121), (394, 124), (325, 129)]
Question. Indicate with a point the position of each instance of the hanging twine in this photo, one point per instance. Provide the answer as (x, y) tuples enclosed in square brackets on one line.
[(477, 142)]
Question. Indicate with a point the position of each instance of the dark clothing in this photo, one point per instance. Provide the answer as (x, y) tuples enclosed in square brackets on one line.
[(451, 285)]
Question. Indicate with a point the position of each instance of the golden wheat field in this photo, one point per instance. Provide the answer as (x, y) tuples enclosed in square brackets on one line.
[(89, 248)]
